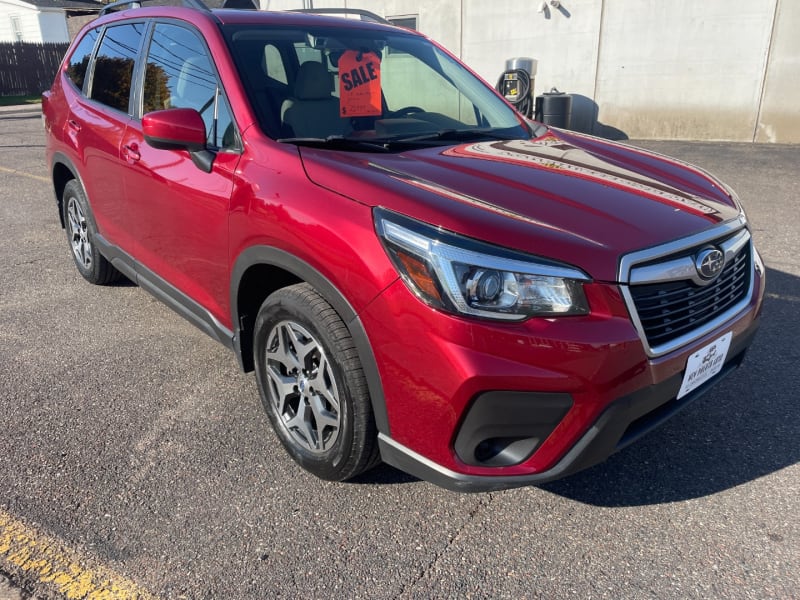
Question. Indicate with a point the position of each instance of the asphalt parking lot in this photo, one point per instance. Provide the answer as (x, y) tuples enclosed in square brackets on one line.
[(131, 443)]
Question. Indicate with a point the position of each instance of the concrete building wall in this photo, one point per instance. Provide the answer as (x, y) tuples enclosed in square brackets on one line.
[(564, 42), (439, 19), (683, 69), (779, 116), (677, 69)]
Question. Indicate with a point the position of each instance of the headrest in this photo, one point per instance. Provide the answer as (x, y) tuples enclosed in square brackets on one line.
[(314, 82)]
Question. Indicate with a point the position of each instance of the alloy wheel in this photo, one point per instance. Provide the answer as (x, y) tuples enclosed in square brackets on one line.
[(302, 387), (78, 233)]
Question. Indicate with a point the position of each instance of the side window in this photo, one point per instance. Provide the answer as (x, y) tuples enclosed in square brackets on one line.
[(179, 74), (113, 68), (79, 61), (274, 62)]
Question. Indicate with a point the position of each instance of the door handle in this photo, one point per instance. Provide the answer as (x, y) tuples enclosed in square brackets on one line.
[(74, 125), (131, 153)]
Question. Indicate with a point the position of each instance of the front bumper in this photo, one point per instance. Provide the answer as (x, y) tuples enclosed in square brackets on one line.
[(588, 381), (621, 423)]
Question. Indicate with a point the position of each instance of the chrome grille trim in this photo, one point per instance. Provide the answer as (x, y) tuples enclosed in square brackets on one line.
[(683, 268), (670, 264)]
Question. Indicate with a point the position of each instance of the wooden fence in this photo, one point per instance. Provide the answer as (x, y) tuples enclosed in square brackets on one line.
[(27, 69)]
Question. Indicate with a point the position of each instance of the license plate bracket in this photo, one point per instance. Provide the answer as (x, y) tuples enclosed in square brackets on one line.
[(705, 364)]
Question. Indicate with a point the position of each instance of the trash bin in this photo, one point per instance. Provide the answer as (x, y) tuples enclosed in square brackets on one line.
[(554, 108)]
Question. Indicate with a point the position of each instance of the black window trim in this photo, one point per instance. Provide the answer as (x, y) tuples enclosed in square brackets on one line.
[(137, 86)]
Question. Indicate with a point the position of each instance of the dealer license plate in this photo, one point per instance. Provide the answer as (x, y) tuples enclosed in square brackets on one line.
[(705, 363)]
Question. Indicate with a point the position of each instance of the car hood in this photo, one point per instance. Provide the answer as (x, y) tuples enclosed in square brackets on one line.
[(563, 196)]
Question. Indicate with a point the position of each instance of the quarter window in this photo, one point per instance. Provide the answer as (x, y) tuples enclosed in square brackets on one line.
[(79, 61), (113, 70)]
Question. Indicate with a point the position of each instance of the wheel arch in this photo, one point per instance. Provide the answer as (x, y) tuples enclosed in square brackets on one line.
[(62, 172), (261, 270)]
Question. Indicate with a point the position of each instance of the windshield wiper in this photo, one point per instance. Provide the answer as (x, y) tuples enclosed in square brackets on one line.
[(454, 135), (337, 142), (394, 143)]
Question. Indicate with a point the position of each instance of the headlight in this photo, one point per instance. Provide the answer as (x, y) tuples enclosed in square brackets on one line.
[(464, 276)]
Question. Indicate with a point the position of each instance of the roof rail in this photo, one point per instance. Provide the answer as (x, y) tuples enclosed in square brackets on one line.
[(120, 4), (364, 14)]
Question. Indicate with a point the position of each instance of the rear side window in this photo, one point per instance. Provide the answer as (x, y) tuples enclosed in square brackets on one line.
[(79, 61), (113, 69)]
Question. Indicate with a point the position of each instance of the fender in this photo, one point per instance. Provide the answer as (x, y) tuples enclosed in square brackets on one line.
[(267, 255), (59, 158)]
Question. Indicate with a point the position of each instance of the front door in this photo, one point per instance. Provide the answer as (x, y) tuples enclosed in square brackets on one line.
[(179, 212)]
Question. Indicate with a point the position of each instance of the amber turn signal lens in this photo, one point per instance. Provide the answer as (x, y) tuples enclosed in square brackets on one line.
[(420, 275)]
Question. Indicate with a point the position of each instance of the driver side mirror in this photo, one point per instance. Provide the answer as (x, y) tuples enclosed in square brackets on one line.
[(178, 129)]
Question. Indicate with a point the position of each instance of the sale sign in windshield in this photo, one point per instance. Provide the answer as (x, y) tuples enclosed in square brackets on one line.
[(359, 84)]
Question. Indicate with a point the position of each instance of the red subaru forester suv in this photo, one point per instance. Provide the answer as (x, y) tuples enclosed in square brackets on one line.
[(416, 273)]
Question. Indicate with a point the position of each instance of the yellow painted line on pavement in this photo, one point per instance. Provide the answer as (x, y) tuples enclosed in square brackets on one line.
[(45, 561), (24, 174)]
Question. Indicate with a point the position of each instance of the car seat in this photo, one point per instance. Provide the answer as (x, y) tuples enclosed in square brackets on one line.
[(313, 111)]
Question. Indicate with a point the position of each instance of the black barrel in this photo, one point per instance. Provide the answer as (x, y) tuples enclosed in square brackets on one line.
[(554, 108)]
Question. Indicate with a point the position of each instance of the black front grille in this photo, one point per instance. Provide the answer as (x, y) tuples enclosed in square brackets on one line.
[(672, 309)]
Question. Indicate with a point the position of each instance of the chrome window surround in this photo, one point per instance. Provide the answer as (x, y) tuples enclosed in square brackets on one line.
[(683, 269)]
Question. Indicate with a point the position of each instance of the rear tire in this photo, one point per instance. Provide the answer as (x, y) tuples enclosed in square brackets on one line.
[(312, 384), (81, 234)]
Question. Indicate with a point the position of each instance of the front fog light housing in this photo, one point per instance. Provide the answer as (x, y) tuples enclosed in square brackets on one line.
[(468, 277)]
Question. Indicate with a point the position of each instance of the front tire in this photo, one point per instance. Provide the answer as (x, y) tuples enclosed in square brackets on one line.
[(312, 385), (81, 233)]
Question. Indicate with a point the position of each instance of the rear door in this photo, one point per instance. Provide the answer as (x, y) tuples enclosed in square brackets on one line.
[(178, 212), (96, 125)]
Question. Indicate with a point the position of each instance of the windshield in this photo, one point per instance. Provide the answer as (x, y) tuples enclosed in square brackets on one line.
[(373, 86)]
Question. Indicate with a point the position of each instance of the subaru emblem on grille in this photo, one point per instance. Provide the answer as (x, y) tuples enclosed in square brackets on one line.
[(709, 263)]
